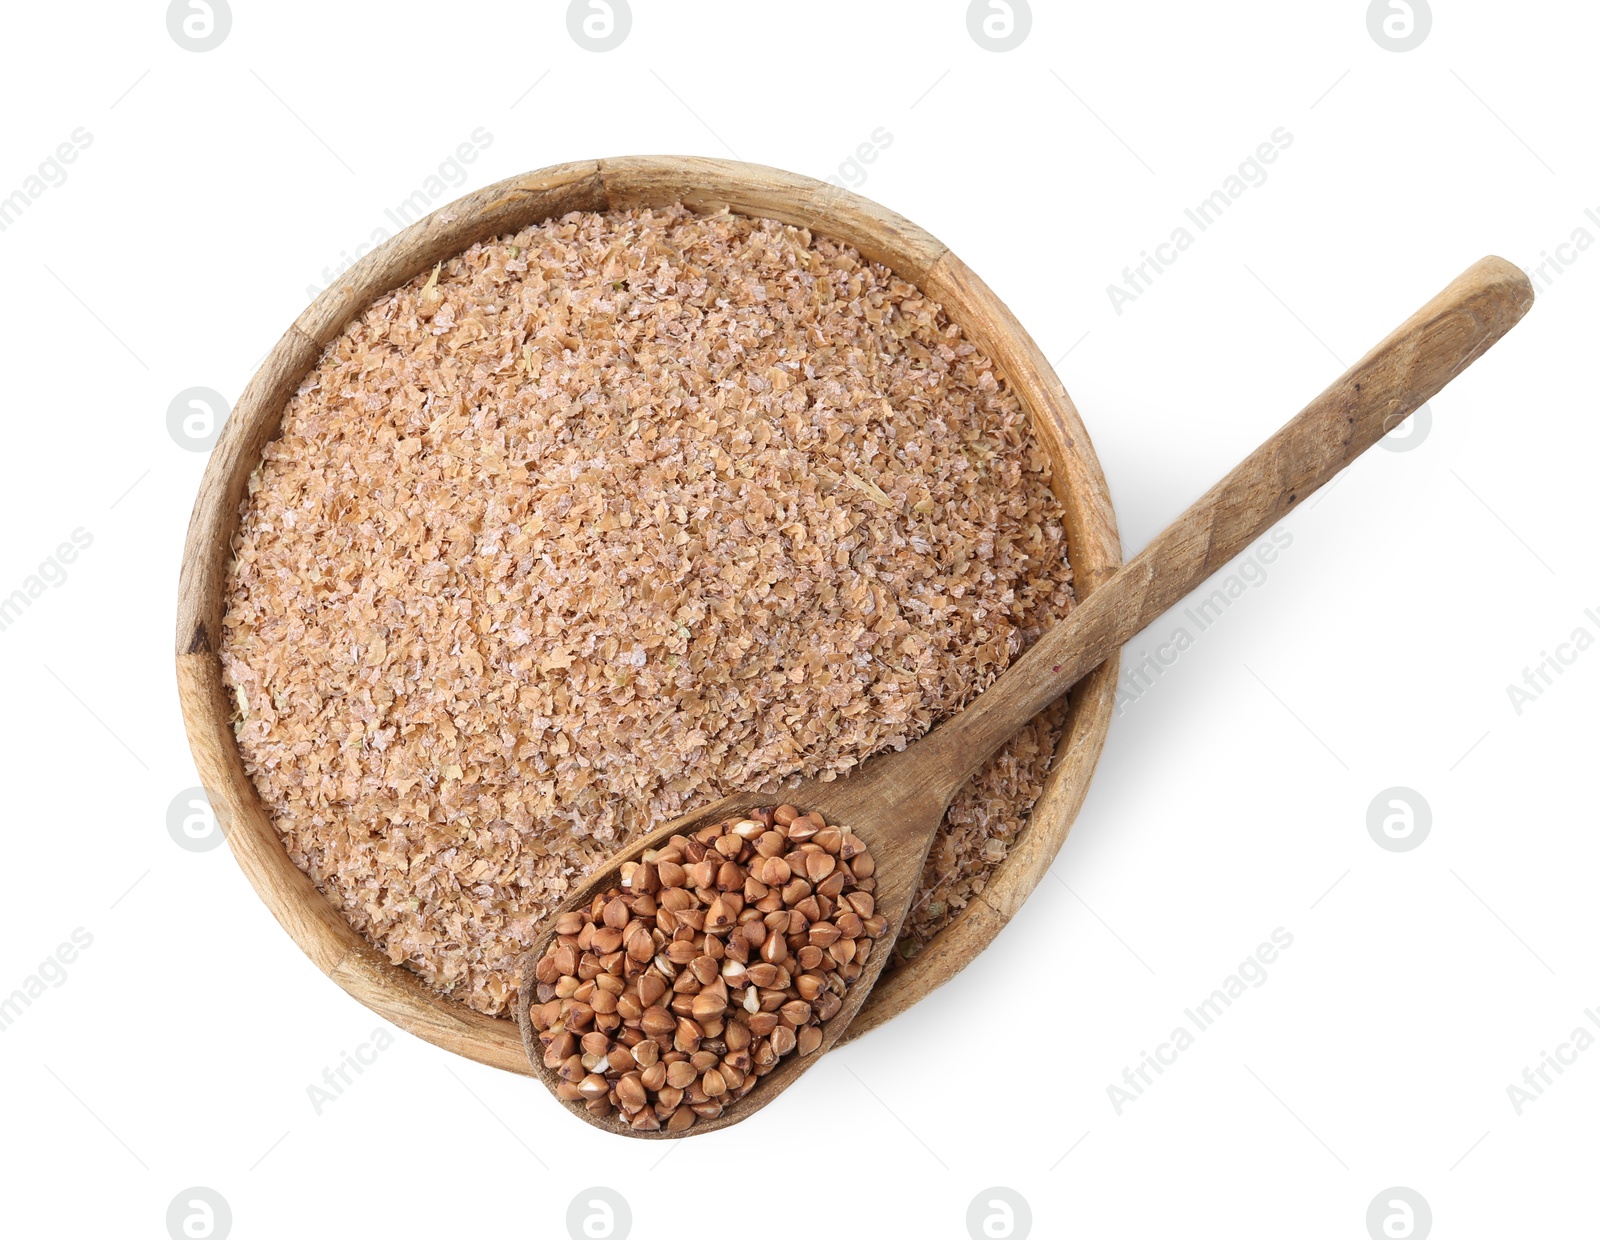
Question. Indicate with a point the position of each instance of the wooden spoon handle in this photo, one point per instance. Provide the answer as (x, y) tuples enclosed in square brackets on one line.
[(1428, 350)]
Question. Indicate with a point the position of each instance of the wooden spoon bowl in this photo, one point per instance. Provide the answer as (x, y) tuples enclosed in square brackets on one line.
[(842, 802)]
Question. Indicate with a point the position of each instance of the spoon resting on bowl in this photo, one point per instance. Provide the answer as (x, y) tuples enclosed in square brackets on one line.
[(894, 803)]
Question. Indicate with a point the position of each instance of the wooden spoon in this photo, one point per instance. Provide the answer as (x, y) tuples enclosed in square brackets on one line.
[(896, 801)]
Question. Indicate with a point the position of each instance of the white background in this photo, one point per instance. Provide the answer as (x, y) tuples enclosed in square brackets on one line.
[(1232, 796)]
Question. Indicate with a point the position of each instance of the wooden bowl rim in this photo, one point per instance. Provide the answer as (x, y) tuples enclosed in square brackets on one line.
[(507, 206)]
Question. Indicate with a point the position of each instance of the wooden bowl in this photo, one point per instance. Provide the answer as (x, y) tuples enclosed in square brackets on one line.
[(394, 992)]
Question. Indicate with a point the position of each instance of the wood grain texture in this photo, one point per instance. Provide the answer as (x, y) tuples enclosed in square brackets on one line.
[(896, 801), (306, 915), (1386, 386)]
